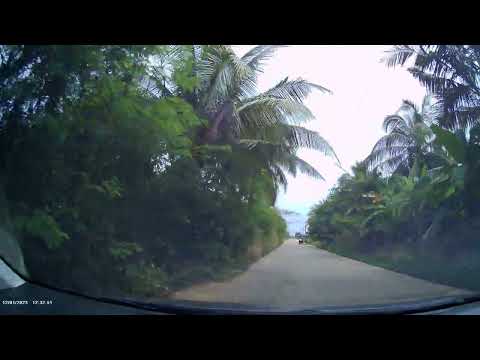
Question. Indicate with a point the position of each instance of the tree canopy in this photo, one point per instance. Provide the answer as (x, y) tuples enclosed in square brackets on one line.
[(135, 170)]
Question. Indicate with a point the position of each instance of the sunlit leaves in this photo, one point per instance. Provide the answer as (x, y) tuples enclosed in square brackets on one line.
[(42, 225)]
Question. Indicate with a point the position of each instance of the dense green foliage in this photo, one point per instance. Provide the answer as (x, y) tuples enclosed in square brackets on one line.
[(414, 202), (135, 169)]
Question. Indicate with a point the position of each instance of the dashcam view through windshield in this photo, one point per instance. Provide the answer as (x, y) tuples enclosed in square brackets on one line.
[(262, 176)]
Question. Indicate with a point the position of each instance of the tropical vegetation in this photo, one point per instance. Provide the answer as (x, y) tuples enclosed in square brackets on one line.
[(137, 170), (413, 204)]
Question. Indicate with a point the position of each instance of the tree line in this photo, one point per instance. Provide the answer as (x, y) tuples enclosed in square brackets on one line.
[(417, 192), (136, 170)]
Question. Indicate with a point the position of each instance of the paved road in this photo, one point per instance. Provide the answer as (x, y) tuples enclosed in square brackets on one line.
[(301, 275)]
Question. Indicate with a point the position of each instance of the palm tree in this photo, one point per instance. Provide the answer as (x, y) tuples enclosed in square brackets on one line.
[(451, 73), (266, 124), (408, 143)]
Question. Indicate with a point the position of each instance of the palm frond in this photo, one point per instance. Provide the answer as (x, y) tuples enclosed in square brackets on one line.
[(392, 140), (245, 79), (432, 110), (253, 143), (450, 72), (462, 118), (301, 137), (175, 52), (292, 137), (294, 90), (216, 73), (279, 177), (307, 169), (399, 55), (409, 106), (393, 122), (259, 114), (378, 157), (268, 110), (392, 164), (281, 104), (263, 126), (292, 163), (281, 154), (408, 135), (196, 52), (255, 57), (432, 83)]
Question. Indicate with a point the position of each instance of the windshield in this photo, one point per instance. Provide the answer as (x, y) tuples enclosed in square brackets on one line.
[(270, 176)]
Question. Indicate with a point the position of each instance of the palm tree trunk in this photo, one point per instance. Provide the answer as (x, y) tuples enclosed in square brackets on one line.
[(211, 134)]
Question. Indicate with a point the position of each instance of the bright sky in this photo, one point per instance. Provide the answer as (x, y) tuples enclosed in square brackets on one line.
[(364, 92)]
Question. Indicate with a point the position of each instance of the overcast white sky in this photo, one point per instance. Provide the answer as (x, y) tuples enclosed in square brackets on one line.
[(364, 92)]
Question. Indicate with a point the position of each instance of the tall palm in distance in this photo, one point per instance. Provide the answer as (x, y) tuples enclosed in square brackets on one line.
[(408, 143)]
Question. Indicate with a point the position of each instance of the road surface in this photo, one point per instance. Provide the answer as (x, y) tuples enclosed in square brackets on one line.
[(301, 275)]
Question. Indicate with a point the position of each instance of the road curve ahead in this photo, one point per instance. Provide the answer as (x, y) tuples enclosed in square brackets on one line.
[(302, 275)]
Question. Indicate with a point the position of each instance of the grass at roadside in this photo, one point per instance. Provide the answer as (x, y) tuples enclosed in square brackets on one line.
[(191, 276), (206, 273), (462, 271)]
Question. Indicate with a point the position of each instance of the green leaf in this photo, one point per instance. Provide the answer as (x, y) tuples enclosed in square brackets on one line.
[(44, 226), (113, 187), (123, 249), (450, 191), (452, 144), (184, 77)]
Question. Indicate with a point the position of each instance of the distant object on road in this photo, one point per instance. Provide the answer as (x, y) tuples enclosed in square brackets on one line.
[(300, 237)]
